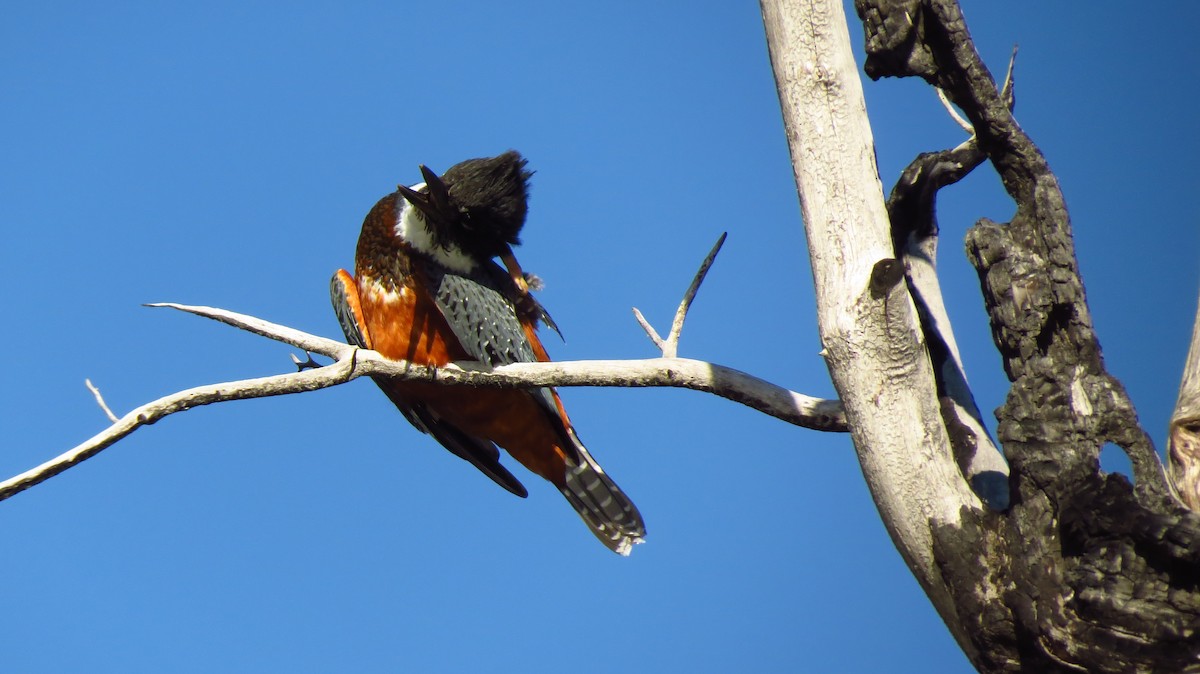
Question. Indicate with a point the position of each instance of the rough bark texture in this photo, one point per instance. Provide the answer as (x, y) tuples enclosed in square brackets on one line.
[(1084, 572), (1184, 432)]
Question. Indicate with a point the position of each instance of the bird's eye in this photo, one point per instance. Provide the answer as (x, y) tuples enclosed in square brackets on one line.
[(464, 218)]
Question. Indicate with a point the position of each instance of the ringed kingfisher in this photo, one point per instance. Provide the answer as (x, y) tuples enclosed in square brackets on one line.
[(427, 290)]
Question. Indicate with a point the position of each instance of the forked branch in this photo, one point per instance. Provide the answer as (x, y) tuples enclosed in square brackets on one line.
[(670, 345)]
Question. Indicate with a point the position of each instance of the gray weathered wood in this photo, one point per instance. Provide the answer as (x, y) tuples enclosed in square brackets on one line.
[(866, 318)]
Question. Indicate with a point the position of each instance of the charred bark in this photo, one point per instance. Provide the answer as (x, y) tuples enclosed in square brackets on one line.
[(1084, 571)]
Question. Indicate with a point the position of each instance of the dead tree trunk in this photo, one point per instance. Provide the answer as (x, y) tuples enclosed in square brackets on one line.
[(1078, 571)]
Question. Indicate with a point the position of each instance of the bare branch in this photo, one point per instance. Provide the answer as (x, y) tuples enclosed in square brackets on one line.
[(351, 363), (100, 400), (795, 408)]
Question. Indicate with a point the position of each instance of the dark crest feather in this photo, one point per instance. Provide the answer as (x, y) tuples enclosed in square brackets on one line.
[(479, 204)]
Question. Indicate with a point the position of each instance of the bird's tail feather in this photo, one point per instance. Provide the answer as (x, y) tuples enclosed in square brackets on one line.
[(606, 509)]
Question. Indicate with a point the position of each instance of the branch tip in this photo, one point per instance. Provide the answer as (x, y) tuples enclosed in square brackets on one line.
[(1008, 91)]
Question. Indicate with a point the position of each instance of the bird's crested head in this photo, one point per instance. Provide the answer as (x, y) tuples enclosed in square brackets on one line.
[(478, 206)]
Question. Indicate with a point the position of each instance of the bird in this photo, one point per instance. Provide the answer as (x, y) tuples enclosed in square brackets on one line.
[(427, 289)]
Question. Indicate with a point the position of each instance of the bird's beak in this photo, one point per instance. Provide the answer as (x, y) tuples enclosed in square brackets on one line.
[(514, 269), (434, 203)]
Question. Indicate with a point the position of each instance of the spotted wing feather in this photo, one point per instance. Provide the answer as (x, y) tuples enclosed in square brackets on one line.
[(486, 324)]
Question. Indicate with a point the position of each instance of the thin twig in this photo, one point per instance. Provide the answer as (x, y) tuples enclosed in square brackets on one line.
[(650, 331), (954, 114), (100, 400)]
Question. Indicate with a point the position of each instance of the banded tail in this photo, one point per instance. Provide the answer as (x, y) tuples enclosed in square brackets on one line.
[(606, 509)]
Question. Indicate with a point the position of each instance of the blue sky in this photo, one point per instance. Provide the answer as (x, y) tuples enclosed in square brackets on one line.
[(225, 153)]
